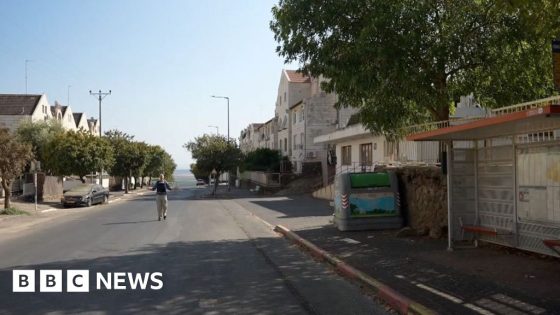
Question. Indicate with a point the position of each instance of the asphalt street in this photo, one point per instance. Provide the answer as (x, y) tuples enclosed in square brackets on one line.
[(214, 256)]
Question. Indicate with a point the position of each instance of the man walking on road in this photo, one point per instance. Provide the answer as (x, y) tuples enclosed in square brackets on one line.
[(161, 187)]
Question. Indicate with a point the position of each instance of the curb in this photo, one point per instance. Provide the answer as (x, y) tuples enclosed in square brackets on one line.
[(399, 302)]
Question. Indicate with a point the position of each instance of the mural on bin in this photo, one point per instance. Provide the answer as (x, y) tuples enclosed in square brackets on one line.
[(368, 203)]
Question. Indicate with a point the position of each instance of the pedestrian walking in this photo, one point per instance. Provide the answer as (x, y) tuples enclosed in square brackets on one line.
[(161, 187)]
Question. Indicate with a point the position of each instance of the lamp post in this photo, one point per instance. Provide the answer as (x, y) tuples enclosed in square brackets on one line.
[(217, 130), (227, 98)]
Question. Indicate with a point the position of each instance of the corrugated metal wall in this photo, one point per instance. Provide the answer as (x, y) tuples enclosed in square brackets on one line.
[(496, 189), (517, 191)]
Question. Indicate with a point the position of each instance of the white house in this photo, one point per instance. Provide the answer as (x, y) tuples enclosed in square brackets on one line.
[(292, 89), (268, 135), (81, 121), (358, 149), (17, 107), (249, 138), (311, 117)]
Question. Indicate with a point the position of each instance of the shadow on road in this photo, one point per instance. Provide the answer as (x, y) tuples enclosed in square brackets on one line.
[(199, 277)]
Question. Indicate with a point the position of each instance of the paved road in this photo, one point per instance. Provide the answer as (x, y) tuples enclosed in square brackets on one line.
[(214, 255)]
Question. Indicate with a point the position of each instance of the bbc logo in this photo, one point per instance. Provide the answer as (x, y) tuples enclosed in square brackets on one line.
[(78, 281), (50, 281)]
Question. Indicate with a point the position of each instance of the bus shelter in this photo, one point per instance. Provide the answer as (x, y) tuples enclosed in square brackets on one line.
[(503, 178)]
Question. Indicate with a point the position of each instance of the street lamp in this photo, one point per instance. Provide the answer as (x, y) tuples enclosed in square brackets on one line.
[(217, 130), (227, 98)]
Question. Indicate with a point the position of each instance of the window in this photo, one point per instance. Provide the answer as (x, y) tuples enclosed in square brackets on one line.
[(294, 143), (365, 154), (286, 144), (284, 97), (302, 138), (302, 115), (346, 155), (294, 116)]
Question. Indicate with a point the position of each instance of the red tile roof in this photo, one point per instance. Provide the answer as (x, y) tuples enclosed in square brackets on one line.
[(18, 104), (296, 77)]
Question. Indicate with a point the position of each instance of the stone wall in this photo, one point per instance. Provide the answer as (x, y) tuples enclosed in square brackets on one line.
[(424, 199)]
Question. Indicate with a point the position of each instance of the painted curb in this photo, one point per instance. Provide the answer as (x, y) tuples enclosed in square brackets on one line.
[(399, 302)]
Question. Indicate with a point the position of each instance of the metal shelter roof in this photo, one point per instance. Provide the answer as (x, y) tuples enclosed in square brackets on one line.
[(522, 122)]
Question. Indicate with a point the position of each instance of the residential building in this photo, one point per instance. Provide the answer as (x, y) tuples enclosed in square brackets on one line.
[(249, 138), (268, 136), (81, 121), (64, 115), (311, 117), (292, 89), (358, 149), (17, 107), (93, 126)]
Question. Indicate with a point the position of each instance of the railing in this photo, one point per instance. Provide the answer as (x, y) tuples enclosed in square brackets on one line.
[(553, 100)]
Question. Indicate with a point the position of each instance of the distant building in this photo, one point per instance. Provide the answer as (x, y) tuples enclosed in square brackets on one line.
[(63, 114), (14, 108), (249, 138)]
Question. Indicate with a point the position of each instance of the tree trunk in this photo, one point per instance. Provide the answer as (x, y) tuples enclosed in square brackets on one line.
[(7, 185), (216, 181), (126, 184)]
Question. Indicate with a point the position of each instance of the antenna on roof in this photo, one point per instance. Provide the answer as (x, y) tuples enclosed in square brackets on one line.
[(26, 61)]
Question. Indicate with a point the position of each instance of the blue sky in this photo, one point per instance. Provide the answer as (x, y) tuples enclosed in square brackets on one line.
[(161, 59)]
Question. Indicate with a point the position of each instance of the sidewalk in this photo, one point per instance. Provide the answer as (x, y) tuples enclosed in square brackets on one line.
[(485, 280), (53, 206)]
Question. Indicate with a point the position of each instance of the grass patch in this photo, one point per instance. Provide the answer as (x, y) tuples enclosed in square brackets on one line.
[(13, 211)]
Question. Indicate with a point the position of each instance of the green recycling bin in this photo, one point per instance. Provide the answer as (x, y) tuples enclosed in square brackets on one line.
[(367, 201)]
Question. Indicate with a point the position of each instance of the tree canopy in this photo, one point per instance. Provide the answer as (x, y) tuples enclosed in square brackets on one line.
[(39, 134), (15, 156), (262, 159), (405, 62), (77, 153), (214, 152)]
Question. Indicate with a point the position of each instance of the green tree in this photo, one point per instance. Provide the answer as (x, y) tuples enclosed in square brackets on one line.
[(77, 153), (39, 134), (122, 146), (14, 157), (262, 159), (404, 62), (214, 153)]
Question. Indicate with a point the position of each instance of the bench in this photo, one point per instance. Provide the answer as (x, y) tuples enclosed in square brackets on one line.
[(478, 229), (552, 244)]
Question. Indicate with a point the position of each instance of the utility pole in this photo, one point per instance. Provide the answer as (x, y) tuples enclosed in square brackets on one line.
[(227, 98), (100, 96)]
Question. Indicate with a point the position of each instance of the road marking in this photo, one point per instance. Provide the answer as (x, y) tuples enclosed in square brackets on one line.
[(114, 200), (438, 292), (518, 304), (477, 309), (449, 297), (350, 241), (49, 210)]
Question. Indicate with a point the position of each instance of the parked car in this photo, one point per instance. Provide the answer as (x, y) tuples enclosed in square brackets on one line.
[(200, 182), (85, 195)]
